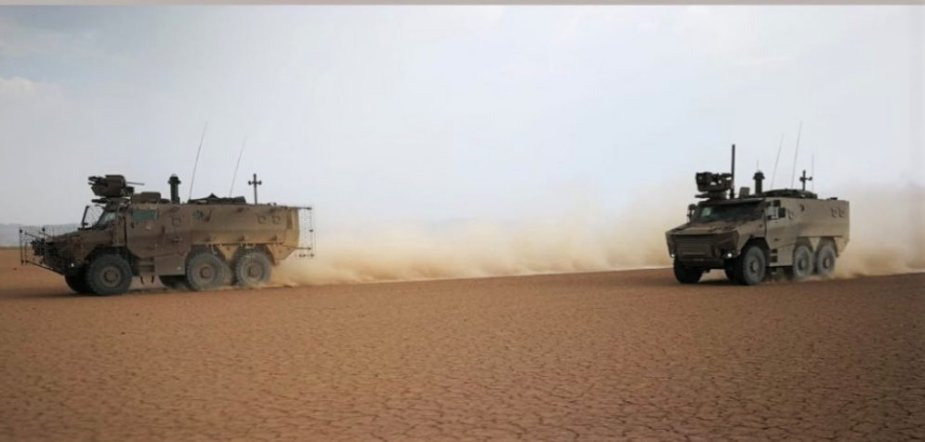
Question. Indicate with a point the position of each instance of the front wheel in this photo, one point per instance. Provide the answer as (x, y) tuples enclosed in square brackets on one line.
[(77, 281), (109, 275), (685, 274), (751, 266), (729, 270)]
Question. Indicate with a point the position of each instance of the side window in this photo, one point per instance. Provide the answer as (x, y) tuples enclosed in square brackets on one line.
[(144, 214), (773, 210)]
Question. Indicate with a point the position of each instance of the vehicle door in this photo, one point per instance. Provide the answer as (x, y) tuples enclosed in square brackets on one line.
[(780, 221)]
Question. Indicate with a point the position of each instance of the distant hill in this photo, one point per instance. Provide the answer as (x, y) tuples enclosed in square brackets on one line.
[(9, 233)]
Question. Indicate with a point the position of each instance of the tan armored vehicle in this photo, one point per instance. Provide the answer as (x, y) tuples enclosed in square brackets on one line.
[(753, 235), (201, 244)]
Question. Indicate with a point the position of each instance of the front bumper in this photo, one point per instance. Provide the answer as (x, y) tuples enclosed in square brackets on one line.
[(703, 250), (36, 248)]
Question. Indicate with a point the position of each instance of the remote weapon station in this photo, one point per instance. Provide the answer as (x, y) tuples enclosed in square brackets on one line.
[(202, 244), (752, 235)]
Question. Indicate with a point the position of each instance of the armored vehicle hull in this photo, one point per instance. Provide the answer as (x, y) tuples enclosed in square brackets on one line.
[(752, 236), (801, 236), (202, 244)]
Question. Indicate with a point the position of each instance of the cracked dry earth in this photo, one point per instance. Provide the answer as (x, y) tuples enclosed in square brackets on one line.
[(601, 356)]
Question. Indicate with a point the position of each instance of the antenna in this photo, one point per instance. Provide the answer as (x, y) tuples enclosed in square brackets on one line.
[(235, 174), (812, 170), (796, 150), (776, 161), (804, 179), (255, 183), (195, 164), (732, 191)]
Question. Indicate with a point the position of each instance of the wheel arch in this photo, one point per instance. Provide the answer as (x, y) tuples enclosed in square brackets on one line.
[(111, 250), (805, 241), (760, 243), (829, 240)]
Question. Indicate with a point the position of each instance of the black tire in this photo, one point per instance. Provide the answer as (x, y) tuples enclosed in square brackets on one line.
[(729, 270), (205, 271), (803, 259), (77, 281), (751, 266), (108, 274), (685, 274), (253, 269), (825, 259), (175, 282)]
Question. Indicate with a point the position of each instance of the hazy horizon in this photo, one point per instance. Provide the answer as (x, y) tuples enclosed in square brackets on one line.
[(416, 115)]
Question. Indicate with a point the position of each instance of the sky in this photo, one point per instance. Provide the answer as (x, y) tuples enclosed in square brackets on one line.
[(437, 114)]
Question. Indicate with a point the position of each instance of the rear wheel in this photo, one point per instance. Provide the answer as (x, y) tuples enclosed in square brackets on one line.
[(252, 269), (751, 266), (108, 274), (825, 259), (685, 274), (205, 271), (802, 263), (77, 281)]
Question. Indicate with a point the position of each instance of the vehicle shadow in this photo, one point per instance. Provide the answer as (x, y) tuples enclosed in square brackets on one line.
[(66, 293)]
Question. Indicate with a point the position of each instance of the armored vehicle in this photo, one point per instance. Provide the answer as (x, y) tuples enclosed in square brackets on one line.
[(201, 244), (753, 235)]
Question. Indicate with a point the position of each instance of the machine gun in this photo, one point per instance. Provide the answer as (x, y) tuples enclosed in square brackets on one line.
[(713, 185), (111, 186)]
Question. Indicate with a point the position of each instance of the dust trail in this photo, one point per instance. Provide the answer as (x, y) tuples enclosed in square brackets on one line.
[(585, 240), (887, 237), (887, 232)]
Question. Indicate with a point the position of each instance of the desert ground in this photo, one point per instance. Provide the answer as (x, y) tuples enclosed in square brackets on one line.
[(593, 356)]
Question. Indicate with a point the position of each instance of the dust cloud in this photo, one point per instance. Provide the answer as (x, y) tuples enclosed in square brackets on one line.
[(585, 240), (886, 237), (887, 232)]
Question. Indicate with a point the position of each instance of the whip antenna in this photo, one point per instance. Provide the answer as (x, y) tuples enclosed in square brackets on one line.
[(235, 174), (796, 150), (776, 161), (195, 164)]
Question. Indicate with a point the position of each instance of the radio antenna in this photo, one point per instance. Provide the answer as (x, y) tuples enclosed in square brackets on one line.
[(235, 174), (776, 161), (812, 171), (196, 164), (796, 151)]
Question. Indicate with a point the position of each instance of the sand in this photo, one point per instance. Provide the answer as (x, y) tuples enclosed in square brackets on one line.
[(593, 356)]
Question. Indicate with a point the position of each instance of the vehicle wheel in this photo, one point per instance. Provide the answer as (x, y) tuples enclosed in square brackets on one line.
[(751, 266), (205, 271), (176, 282), (108, 275), (252, 269), (802, 263), (685, 274), (729, 270), (825, 259), (77, 281)]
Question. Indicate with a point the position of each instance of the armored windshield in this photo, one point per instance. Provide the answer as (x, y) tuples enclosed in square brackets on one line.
[(728, 212), (97, 217), (105, 219)]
